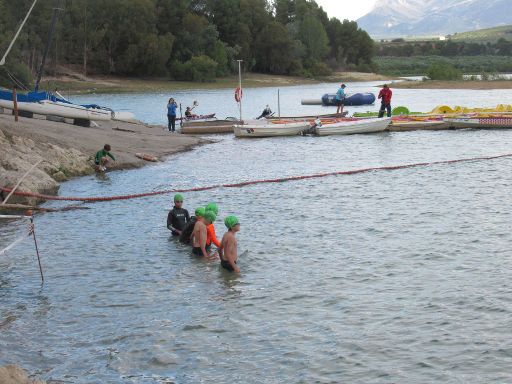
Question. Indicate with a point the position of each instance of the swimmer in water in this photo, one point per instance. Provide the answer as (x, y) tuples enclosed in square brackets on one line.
[(178, 216), (211, 236), (199, 233), (228, 249)]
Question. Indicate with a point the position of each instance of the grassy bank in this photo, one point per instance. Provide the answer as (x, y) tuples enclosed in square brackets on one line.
[(457, 84), (418, 65), (82, 85)]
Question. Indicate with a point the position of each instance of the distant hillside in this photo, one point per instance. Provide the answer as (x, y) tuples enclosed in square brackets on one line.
[(484, 35), (400, 18)]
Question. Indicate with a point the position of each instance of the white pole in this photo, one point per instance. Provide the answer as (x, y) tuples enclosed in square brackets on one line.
[(2, 62), (240, 86), (278, 104)]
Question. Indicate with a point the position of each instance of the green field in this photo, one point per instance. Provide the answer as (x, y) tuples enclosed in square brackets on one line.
[(418, 65), (484, 35)]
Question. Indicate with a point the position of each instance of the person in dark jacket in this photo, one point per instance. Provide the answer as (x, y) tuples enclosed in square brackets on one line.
[(385, 94), (178, 217), (171, 114)]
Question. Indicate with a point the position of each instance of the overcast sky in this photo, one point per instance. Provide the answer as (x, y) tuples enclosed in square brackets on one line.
[(346, 9)]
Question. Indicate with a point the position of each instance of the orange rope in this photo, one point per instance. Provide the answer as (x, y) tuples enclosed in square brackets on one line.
[(246, 183)]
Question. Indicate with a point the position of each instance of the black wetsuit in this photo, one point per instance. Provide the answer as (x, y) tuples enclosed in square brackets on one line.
[(177, 220), (197, 251), (266, 112), (187, 231)]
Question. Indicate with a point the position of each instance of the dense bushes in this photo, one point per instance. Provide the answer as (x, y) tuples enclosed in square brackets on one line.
[(443, 71)]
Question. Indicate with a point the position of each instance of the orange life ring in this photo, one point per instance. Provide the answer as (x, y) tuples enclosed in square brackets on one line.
[(238, 94)]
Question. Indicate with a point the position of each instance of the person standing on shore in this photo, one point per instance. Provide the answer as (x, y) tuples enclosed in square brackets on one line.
[(340, 99), (101, 159), (228, 249), (178, 216), (171, 114), (385, 94)]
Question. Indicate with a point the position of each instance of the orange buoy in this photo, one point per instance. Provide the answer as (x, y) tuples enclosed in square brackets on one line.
[(146, 156)]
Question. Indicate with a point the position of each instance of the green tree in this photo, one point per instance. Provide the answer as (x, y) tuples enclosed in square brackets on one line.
[(312, 34), (443, 71), (274, 49)]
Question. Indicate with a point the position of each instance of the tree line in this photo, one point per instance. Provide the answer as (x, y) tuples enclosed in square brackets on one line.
[(184, 39), (448, 48)]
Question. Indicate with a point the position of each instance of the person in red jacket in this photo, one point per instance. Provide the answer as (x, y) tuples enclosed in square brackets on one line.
[(385, 94)]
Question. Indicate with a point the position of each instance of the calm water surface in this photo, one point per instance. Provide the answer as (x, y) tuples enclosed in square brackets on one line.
[(383, 277)]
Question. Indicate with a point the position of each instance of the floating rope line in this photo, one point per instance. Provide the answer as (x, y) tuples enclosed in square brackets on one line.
[(253, 182)]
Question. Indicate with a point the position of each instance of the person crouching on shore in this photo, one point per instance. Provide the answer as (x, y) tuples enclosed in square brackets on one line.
[(228, 250), (178, 216), (102, 158)]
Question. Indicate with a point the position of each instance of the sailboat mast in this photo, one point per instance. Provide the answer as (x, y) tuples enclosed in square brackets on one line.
[(48, 44), (2, 62)]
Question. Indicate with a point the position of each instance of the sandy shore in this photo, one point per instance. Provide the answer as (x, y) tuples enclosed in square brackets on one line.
[(75, 83), (437, 84), (66, 150)]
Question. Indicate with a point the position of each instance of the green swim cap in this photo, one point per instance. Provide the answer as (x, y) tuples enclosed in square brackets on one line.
[(178, 197), (231, 221), (212, 207), (200, 212), (210, 216)]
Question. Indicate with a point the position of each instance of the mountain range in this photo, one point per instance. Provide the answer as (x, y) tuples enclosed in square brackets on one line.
[(400, 18)]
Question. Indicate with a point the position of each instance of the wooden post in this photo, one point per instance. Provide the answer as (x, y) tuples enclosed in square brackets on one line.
[(15, 102)]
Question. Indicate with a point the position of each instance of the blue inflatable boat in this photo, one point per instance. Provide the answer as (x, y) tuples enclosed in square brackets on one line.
[(329, 99)]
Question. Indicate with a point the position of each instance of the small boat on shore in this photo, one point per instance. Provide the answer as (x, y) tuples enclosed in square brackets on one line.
[(487, 121), (351, 126), (45, 103), (272, 128)]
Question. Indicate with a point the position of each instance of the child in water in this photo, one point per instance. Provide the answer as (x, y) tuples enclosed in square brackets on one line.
[(211, 236), (178, 216), (204, 218), (228, 249)]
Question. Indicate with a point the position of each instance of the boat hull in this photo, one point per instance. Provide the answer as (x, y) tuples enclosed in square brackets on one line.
[(492, 122), (55, 108), (270, 129), (207, 127), (352, 127)]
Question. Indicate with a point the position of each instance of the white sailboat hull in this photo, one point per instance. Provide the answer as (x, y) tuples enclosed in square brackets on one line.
[(353, 127), (270, 129), (56, 108)]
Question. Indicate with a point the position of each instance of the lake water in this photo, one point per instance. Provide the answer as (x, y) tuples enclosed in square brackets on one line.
[(383, 277)]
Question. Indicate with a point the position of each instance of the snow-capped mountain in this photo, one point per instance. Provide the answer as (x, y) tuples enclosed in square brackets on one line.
[(393, 18)]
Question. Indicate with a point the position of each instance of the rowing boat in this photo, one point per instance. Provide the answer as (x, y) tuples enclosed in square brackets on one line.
[(207, 127), (488, 121), (272, 128), (351, 126)]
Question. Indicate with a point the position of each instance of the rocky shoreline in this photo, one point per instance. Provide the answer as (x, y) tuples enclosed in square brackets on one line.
[(66, 150)]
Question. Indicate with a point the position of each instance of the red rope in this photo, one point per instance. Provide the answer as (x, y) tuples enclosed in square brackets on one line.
[(246, 183)]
